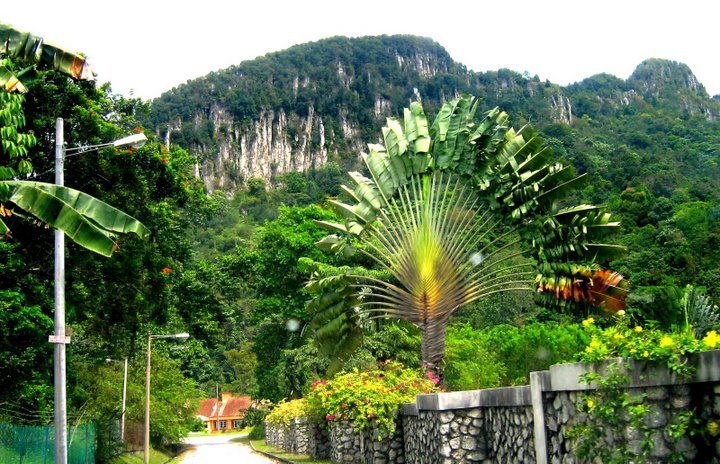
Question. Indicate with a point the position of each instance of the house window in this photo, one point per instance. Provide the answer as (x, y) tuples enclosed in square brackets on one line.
[(237, 423), (222, 425)]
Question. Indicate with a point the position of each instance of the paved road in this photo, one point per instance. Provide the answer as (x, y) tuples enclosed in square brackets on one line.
[(218, 449)]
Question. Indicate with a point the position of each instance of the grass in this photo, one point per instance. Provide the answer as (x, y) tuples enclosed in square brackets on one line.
[(260, 445), (137, 457)]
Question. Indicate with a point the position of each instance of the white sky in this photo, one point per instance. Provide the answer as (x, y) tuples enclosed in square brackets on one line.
[(151, 46)]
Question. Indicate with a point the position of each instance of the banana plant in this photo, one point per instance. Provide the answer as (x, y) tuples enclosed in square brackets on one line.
[(34, 51), (86, 220), (454, 212)]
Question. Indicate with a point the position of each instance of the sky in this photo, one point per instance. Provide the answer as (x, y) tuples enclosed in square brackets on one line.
[(144, 48)]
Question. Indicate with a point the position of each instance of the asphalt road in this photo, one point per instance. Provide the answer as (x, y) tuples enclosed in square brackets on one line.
[(218, 449)]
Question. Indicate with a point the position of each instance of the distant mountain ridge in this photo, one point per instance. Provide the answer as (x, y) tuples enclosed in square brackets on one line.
[(297, 109)]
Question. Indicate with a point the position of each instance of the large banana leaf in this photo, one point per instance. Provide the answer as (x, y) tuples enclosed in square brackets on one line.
[(33, 50), (86, 220)]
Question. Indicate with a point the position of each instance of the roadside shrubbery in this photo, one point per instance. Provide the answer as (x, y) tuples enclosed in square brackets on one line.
[(284, 413), (368, 399)]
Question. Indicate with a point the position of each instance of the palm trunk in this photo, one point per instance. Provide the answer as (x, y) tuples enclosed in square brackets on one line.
[(433, 349)]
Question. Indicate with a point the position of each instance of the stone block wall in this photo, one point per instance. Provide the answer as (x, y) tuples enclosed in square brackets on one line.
[(455, 427), (319, 442), (530, 424), (346, 444), (384, 450), (299, 437)]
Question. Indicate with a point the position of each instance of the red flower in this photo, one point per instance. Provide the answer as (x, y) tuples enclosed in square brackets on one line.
[(138, 130), (329, 417), (164, 159), (166, 270)]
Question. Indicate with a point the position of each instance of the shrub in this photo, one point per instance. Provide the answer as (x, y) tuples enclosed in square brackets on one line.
[(369, 398), (505, 354), (257, 432), (533, 347), (644, 344), (469, 364), (285, 412)]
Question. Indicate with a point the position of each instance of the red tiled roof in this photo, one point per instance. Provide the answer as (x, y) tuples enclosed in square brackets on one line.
[(233, 407), (207, 407)]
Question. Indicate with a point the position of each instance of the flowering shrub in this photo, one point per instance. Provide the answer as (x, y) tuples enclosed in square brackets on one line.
[(611, 409), (285, 412), (644, 344), (368, 398)]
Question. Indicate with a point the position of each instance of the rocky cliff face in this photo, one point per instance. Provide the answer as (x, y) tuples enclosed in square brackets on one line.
[(264, 149)]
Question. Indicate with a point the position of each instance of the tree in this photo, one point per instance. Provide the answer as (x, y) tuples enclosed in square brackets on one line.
[(456, 212), (86, 220)]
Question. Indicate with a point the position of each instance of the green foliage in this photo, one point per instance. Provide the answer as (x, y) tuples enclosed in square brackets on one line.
[(257, 432), (369, 399), (469, 364), (611, 411)]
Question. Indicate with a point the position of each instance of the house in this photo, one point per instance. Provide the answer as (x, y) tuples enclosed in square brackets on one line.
[(225, 415)]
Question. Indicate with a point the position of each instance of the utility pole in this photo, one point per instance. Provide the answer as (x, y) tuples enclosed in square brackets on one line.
[(59, 339)]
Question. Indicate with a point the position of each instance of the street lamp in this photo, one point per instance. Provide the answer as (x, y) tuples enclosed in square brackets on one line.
[(124, 396), (59, 338), (182, 336)]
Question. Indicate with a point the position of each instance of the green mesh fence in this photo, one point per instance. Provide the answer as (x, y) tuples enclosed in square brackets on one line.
[(29, 444)]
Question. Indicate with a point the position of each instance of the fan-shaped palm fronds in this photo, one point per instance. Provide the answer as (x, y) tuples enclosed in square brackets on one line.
[(462, 210), (701, 315)]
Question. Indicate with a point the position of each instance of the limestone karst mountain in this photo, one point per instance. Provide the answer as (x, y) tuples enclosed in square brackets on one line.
[(297, 109)]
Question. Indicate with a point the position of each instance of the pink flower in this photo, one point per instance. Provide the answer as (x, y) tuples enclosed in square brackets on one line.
[(329, 417)]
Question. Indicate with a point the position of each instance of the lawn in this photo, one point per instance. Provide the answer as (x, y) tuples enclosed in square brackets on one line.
[(260, 445), (137, 457)]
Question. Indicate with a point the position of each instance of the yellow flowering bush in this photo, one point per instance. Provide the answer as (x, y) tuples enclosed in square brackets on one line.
[(711, 340), (284, 413), (644, 344)]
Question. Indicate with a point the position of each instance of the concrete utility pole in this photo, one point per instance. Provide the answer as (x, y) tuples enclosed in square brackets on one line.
[(60, 340)]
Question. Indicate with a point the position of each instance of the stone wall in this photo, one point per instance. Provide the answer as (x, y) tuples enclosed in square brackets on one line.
[(319, 442), (530, 424), (483, 426), (346, 445), (300, 437), (384, 450)]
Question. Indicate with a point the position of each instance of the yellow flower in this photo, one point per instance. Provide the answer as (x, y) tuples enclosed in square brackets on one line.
[(713, 427), (638, 329), (588, 322), (666, 342), (711, 340), (591, 403), (618, 336), (620, 313), (646, 354), (594, 343)]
